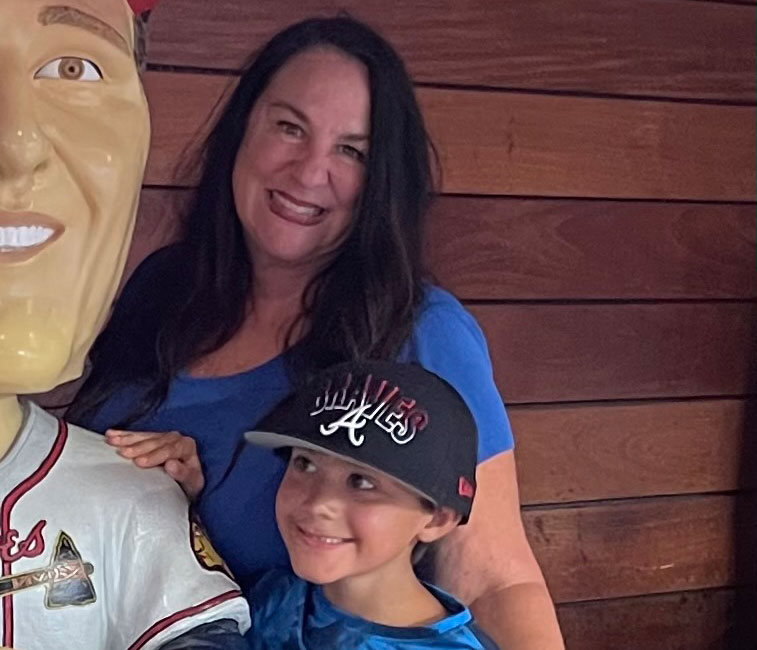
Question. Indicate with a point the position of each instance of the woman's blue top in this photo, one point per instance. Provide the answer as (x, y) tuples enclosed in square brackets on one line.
[(237, 504)]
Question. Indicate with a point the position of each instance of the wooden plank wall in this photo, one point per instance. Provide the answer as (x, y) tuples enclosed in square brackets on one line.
[(598, 218)]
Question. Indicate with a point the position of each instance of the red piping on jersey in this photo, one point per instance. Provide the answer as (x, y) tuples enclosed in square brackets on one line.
[(5, 516), (184, 613)]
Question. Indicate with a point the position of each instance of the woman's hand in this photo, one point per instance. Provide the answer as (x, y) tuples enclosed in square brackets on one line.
[(176, 453)]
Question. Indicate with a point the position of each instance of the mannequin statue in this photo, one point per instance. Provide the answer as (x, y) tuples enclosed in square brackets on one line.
[(93, 552)]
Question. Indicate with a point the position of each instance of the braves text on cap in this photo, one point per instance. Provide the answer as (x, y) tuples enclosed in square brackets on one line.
[(397, 418), (376, 401)]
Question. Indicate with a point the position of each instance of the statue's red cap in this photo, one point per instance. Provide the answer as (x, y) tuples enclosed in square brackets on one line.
[(140, 6)]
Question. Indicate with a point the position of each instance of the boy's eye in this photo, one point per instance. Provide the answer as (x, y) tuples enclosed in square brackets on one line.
[(303, 464), (360, 482), (290, 128), (352, 152), (70, 68)]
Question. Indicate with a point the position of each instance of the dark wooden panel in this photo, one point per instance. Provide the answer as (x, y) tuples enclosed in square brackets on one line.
[(499, 143), (514, 143), (698, 620), (545, 353), (577, 453), (675, 48), (631, 548), (495, 248)]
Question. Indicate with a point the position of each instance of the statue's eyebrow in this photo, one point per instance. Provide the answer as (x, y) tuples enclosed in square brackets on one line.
[(63, 15)]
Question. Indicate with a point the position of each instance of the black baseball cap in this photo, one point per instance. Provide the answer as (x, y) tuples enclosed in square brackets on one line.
[(397, 418)]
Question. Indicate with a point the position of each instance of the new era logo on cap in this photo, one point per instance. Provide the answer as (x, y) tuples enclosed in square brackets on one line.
[(465, 488), (395, 417)]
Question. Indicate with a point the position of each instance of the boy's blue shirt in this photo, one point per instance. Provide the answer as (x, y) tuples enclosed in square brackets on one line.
[(291, 614)]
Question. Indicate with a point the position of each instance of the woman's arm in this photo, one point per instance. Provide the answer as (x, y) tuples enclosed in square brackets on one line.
[(489, 564)]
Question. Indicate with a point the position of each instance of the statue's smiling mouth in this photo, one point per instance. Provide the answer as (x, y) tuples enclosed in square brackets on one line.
[(24, 234)]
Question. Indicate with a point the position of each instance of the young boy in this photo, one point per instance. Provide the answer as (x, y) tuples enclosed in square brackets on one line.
[(383, 458)]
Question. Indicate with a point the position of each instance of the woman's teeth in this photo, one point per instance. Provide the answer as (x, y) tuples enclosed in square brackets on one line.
[(302, 210)]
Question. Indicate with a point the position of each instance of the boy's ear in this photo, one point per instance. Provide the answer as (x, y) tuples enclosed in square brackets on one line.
[(443, 521)]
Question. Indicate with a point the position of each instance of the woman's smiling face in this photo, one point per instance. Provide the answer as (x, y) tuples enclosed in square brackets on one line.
[(301, 166)]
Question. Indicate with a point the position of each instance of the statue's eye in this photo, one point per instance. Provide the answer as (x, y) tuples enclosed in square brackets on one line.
[(69, 68)]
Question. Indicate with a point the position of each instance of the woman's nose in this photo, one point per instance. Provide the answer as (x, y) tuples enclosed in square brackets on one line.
[(311, 169)]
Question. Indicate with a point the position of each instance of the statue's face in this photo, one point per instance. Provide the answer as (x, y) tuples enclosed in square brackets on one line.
[(74, 134)]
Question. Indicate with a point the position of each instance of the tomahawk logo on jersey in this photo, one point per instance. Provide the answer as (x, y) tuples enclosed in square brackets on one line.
[(91, 545)]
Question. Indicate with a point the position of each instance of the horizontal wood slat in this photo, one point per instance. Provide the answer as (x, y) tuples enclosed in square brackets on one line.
[(576, 453), (495, 143), (676, 48), (698, 620), (497, 248), (514, 143), (631, 548), (545, 353)]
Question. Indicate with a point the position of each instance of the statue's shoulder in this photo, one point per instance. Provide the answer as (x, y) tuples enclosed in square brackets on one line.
[(85, 458)]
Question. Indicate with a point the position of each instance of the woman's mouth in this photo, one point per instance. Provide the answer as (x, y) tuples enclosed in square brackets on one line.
[(291, 209)]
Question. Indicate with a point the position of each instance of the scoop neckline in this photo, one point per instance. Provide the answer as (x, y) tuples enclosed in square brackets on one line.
[(267, 367)]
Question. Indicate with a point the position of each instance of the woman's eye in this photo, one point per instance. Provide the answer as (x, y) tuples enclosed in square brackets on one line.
[(360, 482), (289, 128), (70, 68), (303, 464), (352, 152)]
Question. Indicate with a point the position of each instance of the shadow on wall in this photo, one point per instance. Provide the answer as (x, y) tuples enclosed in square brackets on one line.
[(743, 634)]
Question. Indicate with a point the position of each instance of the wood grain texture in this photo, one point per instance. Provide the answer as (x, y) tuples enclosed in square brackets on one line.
[(497, 248), (629, 548), (697, 620), (504, 249), (499, 143), (579, 452), (545, 353), (644, 47), (521, 144)]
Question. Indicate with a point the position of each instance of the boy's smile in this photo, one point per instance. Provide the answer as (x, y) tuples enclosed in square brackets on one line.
[(341, 520)]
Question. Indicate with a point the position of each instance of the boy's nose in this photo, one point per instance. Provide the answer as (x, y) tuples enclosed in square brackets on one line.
[(322, 502)]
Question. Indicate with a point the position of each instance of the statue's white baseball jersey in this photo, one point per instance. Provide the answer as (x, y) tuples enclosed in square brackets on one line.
[(97, 554)]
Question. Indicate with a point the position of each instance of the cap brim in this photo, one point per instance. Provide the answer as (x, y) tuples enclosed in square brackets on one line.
[(272, 440)]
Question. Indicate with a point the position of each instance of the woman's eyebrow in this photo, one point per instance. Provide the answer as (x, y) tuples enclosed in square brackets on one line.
[(350, 137), (61, 15)]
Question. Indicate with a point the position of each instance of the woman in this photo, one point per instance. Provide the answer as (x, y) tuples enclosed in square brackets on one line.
[(302, 249)]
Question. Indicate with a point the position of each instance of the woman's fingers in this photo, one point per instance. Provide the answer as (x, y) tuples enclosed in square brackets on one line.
[(186, 474), (118, 438), (175, 452)]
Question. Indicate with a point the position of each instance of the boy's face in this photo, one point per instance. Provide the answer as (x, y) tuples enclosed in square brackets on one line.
[(341, 520)]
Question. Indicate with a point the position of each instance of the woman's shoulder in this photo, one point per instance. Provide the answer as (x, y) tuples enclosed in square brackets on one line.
[(160, 278), (442, 317), (448, 341), (156, 265)]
